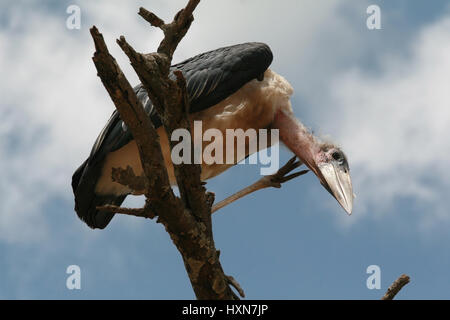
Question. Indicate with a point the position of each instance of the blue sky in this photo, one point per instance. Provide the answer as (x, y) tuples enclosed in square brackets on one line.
[(380, 94)]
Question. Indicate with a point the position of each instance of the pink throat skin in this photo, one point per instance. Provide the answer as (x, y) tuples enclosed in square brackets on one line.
[(297, 138)]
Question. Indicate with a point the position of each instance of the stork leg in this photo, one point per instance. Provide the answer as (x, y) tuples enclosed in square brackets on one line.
[(275, 180)]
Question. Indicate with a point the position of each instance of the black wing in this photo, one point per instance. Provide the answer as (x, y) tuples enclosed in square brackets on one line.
[(211, 77)]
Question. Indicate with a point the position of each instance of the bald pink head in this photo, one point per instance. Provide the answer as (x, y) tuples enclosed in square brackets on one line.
[(327, 161)]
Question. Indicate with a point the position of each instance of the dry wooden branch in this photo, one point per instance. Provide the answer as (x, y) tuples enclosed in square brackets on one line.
[(236, 285), (395, 287), (137, 212), (132, 111), (187, 220), (175, 31), (171, 102), (127, 178)]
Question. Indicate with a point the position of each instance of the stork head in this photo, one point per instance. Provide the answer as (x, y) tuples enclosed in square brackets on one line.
[(326, 160), (330, 165)]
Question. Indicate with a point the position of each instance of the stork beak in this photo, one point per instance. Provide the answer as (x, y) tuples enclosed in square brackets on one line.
[(338, 182)]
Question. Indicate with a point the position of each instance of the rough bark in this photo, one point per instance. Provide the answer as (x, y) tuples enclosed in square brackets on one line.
[(395, 287), (186, 219)]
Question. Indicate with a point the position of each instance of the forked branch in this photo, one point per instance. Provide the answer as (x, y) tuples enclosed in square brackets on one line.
[(187, 220)]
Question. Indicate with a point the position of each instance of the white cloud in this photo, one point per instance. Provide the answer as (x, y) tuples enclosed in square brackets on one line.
[(395, 125), (53, 105)]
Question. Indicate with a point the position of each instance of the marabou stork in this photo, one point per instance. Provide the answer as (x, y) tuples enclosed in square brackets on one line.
[(231, 87)]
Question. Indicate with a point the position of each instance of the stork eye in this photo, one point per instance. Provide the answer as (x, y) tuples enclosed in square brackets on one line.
[(337, 156)]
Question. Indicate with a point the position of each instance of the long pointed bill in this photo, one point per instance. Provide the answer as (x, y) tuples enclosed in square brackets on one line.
[(338, 182)]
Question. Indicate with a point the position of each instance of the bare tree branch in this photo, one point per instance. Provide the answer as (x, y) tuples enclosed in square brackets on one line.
[(175, 31), (137, 212), (127, 178), (395, 287), (236, 285), (187, 220), (129, 107), (167, 95)]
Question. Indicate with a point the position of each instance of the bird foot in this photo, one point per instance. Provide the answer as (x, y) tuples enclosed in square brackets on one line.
[(282, 175)]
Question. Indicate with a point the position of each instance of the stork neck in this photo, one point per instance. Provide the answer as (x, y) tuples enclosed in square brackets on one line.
[(296, 137)]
